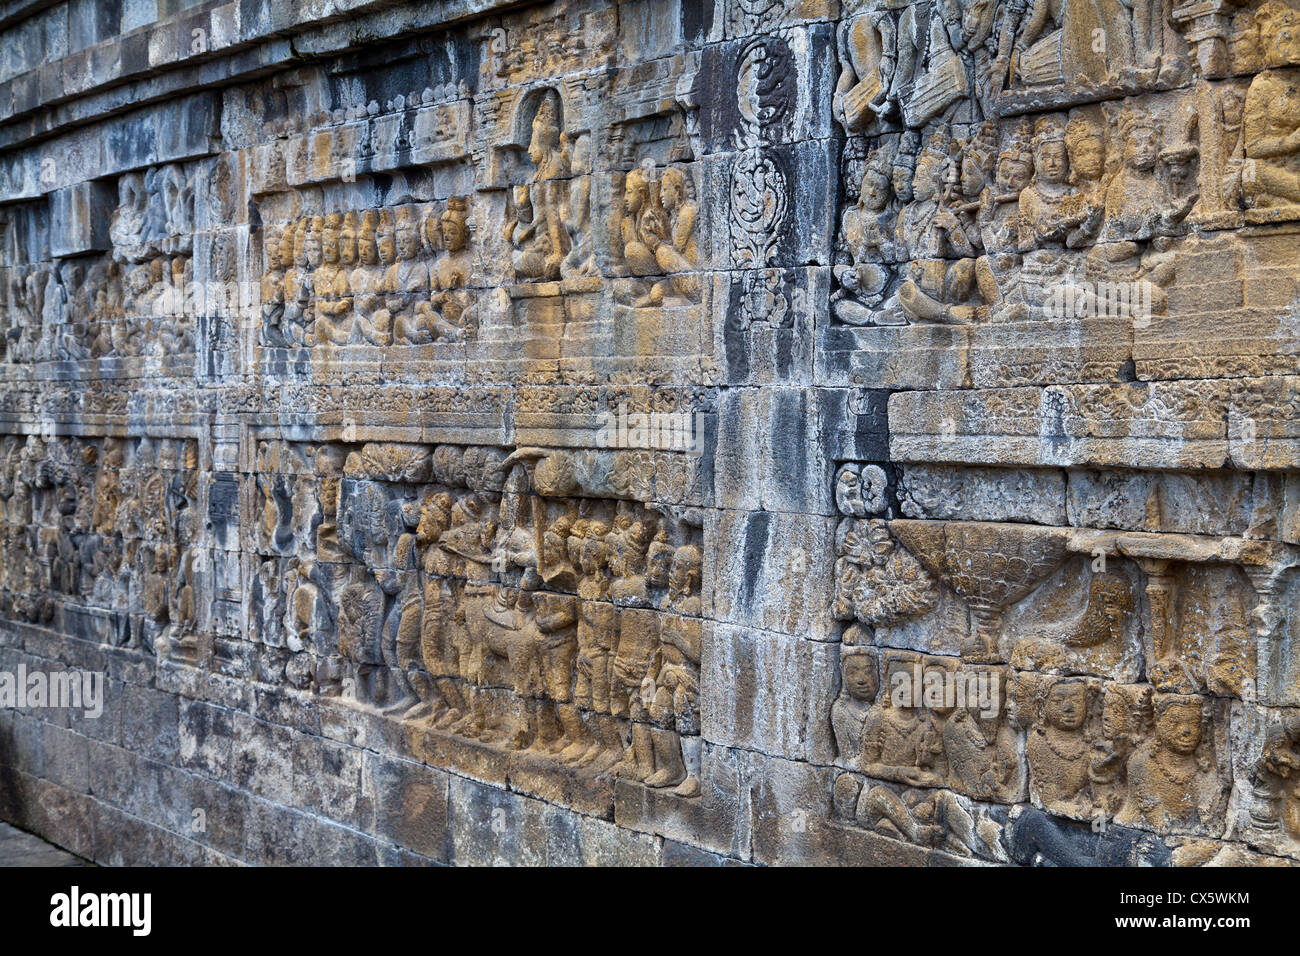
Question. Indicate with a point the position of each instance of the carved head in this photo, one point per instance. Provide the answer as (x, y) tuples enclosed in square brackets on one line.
[(348, 240), (1141, 139), (329, 241), (289, 246), (684, 577), (455, 234), (873, 193), (1067, 705), (408, 241), (904, 165), (387, 244), (672, 188), (1015, 162), (929, 175), (1178, 722), (367, 241), (555, 542), (312, 243), (848, 492), (1050, 160), (659, 560), (897, 691), (858, 674), (636, 192), (1086, 148)]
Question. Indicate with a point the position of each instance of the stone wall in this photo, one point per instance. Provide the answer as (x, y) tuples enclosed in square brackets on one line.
[(663, 431)]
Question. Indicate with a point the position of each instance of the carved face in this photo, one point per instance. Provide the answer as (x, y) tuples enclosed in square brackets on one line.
[(848, 492), (859, 675), (408, 245), (671, 192), (874, 192), (925, 184), (1087, 157), (1178, 728), (453, 233), (1067, 705), (1050, 161), (330, 247), (1142, 148), (348, 249), (1013, 173), (312, 250), (554, 550), (368, 249), (973, 178), (902, 183), (387, 249), (685, 573), (635, 193), (546, 134), (659, 564)]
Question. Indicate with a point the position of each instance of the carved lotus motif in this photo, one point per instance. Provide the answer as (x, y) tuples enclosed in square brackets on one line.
[(992, 564)]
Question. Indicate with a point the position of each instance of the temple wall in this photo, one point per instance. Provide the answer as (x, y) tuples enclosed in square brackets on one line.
[(652, 432)]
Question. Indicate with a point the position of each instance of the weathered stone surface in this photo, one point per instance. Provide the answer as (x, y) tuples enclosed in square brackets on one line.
[(654, 433)]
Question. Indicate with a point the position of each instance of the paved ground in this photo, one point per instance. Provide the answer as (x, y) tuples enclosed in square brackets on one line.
[(22, 849)]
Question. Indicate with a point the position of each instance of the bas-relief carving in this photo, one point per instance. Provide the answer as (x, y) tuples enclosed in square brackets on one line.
[(134, 300), (534, 608), (102, 535), (469, 600)]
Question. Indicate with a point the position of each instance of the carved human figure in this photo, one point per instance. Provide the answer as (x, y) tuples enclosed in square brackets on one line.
[(936, 288), (678, 255), (684, 580), (406, 284), (643, 227), (671, 688), (597, 636), (533, 254), (581, 258), (1275, 779), (1085, 146), (898, 741), (450, 305), (1271, 133), (330, 285), (866, 46), (1139, 204), (866, 244), (1058, 749), (1047, 211), (982, 754), (858, 689), (1171, 777)]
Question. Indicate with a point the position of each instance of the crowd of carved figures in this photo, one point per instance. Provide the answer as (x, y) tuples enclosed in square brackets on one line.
[(440, 585), (976, 215), (106, 524), (1095, 715), (406, 275), (377, 277), (136, 299)]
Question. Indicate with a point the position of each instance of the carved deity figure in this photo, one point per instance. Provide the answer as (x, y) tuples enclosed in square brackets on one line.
[(333, 324)]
